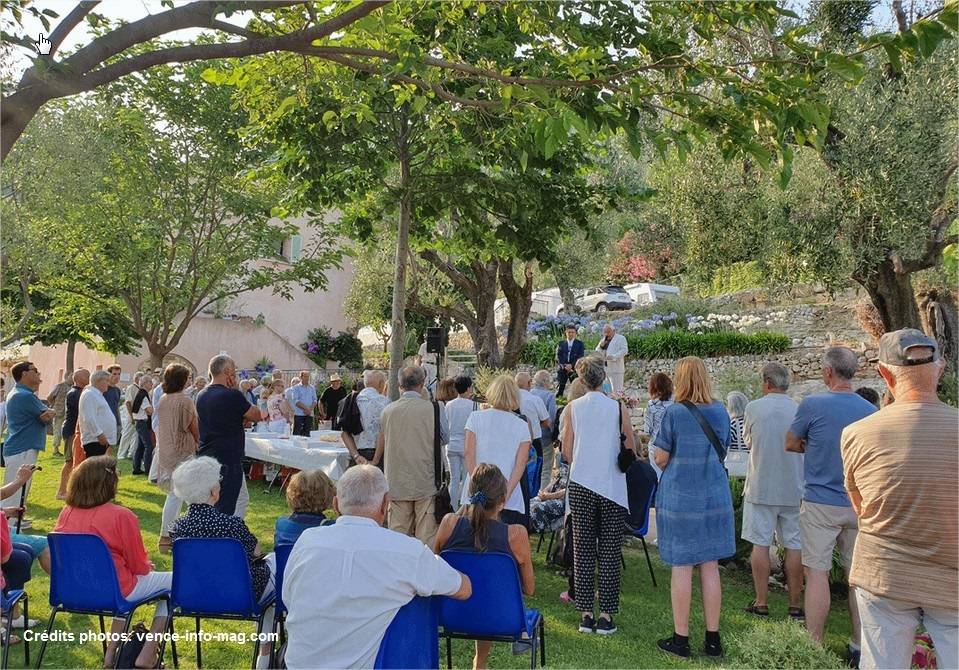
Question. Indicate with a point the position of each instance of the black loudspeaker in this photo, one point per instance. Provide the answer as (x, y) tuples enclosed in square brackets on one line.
[(435, 340)]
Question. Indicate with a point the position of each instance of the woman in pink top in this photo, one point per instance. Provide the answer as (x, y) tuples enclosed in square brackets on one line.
[(90, 492)]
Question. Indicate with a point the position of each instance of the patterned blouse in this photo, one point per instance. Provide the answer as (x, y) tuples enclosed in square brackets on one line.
[(274, 405), (655, 411), (205, 521), (736, 441)]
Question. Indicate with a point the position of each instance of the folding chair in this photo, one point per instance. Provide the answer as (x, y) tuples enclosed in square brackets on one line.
[(7, 602), (412, 639), (83, 580), (211, 580), (495, 611), (641, 532)]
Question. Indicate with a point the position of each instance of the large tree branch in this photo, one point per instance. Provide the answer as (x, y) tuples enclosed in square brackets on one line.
[(28, 308), (460, 280), (900, 16), (69, 22)]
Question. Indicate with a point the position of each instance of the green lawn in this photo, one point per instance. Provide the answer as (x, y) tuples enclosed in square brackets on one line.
[(645, 612)]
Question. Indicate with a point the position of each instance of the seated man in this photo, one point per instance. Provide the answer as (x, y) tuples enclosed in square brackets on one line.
[(338, 615)]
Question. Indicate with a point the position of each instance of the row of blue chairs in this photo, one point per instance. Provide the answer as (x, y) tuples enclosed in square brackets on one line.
[(211, 580)]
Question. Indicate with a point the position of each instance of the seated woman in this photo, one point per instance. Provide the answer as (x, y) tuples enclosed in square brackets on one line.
[(475, 528), (24, 549), (549, 506), (197, 482), (308, 493), (90, 509)]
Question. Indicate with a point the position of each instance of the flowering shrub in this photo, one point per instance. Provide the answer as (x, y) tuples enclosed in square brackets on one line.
[(738, 322), (555, 326), (321, 346)]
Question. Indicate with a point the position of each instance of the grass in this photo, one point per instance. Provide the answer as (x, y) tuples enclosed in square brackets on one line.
[(645, 611)]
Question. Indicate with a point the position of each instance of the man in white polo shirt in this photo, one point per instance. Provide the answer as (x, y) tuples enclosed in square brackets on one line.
[(98, 425), (338, 616)]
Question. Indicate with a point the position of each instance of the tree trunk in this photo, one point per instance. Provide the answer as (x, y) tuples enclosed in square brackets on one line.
[(157, 353), (17, 111), (520, 299), (398, 334), (569, 300), (940, 319), (71, 354), (892, 294)]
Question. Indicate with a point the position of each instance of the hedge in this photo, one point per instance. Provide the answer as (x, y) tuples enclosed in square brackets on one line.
[(541, 352)]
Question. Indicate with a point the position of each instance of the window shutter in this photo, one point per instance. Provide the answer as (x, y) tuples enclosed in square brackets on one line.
[(296, 244)]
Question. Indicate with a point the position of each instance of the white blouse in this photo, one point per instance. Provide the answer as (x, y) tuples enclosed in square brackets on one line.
[(499, 435), (596, 420)]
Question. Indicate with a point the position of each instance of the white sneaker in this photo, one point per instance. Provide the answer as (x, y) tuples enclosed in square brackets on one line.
[(18, 622)]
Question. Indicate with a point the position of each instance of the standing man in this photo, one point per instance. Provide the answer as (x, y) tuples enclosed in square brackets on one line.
[(901, 466), (57, 400), (98, 426), (429, 361), (370, 402), (70, 427), (568, 352), (143, 411), (330, 400), (128, 434), (541, 389), (458, 411), (223, 410), (114, 396), (406, 445), (534, 409), (826, 517), (613, 348), (774, 488), (27, 419), (302, 398)]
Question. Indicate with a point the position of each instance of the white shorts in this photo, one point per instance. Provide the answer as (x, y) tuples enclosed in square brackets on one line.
[(762, 522)]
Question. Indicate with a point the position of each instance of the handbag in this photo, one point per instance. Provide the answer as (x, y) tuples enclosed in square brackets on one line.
[(441, 499), (626, 455), (132, 648), (708, 430)]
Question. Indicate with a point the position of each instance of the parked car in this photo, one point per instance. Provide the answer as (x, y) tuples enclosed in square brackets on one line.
[(601, 299)]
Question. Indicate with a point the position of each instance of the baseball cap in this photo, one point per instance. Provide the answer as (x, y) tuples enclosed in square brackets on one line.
[(894, 347)]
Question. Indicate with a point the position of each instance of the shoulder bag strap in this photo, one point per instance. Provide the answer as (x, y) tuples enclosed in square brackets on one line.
[(437, 465), (707, 429)]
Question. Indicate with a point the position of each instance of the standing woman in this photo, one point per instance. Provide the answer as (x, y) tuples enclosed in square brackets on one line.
[(177, 437), (281, 414), (694, 509), (498, 436), (660, 397), (592, 425)]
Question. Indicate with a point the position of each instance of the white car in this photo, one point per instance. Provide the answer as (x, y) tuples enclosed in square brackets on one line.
[(601, 299)]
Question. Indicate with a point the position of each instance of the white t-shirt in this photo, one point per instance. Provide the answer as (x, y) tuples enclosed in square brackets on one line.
[(458, 411), (155, 396), (96, 417), (499, 435), (338, 614), (142, 414), (534, 409), (596, 425)]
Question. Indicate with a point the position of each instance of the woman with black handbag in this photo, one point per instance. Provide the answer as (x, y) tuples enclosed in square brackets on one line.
[(598, 444), (694, 509)]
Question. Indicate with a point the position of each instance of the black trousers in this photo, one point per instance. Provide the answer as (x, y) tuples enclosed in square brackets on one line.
[(302, 425), (94, 449), (143, 456), (231, 481), (562, 376)]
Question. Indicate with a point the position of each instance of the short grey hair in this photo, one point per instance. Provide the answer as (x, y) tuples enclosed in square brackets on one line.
[(736, 403), (522, 378), (98, 375), (592, 371), (195, 479), (220, 363), (146, 379), (412, 377), (543, 379), (137, 376), (373, 378), (776, 375), (361, 489), (200, 378), (841, 360)]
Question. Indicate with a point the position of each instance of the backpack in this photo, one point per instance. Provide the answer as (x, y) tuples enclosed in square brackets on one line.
[(349, 418)]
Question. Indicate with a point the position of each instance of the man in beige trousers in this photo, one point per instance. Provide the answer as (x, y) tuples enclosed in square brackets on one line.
[(406, 446)]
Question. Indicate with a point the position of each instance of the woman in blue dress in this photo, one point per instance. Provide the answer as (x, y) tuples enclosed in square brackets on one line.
[(694, 508)]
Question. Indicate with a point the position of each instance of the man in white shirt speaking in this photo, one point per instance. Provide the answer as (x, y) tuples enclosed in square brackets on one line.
[(613, 347), (98, 425), (337, 616)]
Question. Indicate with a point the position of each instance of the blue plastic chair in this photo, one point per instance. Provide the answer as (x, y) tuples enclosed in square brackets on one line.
[(211, 580), (7, 601), (495, 611), (83, 580), (282, 552), (412, 639), (641, 532)]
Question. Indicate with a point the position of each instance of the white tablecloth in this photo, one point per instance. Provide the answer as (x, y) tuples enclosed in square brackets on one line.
[(300, 452)]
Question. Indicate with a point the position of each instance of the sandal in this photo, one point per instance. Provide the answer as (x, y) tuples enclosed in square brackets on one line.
[(757, 610), (797, 613), (14, 639)]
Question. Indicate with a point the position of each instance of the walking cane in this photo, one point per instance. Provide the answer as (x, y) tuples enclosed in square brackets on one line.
[(21, 510)]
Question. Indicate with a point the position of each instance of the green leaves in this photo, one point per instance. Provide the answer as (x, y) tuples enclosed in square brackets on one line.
[(848, 69)]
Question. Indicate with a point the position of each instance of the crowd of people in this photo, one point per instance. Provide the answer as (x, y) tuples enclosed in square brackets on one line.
[(429, 474)]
